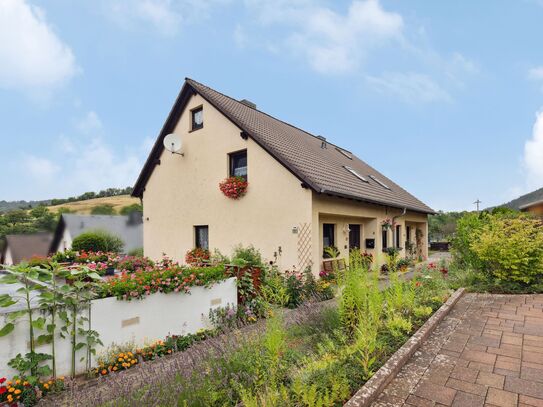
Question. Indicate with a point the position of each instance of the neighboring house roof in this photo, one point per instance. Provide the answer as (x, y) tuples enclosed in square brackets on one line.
[(128, 228), (321, 169), (526, 201), (24, 247)]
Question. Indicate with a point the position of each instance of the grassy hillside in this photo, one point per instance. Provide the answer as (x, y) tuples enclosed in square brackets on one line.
[(85, 207)]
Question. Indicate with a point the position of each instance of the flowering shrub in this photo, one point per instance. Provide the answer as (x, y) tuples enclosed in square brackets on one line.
[(20, 392), (118, 362), (128, 286), (197, 256), (234, 187)]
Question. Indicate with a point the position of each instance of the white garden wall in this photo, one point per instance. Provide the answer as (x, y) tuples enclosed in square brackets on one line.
[(141, 321)]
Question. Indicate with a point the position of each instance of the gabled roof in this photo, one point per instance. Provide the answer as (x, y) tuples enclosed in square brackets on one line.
[(526, 201), (128, 228), (24, 247), (321, 169)]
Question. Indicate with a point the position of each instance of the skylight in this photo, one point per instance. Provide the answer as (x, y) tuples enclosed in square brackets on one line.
[(356, 174), (345, 153), (379, 182)]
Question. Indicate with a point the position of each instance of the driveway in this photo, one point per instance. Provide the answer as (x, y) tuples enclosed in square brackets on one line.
[(487, 352)]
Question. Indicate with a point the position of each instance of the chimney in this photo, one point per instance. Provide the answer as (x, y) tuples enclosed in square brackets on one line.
[(323, 141), (248, 103)]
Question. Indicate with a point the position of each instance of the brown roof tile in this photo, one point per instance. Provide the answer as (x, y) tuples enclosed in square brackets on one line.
[(322, 169)]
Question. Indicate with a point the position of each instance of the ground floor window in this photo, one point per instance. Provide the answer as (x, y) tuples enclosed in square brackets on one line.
[(354, 237), (398, 236), (201, 237), (328, 235), (385, 238), (408, 233)]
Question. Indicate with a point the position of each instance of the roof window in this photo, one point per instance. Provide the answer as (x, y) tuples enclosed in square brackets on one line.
[(379, 182), (356, 174), (345, 153)]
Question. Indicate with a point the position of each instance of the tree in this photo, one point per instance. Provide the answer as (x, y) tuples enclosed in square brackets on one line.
[(104, 209)]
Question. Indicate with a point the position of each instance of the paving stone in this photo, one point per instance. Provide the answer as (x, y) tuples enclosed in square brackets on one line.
[(467, 387), (468, 400), (419, 402), (501, 398), (464, 373), (435, 392), (477, 356), (487, 351), (530, 401), (521, 386), (491, 379)]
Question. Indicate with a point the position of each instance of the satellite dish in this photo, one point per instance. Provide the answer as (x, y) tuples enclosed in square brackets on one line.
[(172, 143)]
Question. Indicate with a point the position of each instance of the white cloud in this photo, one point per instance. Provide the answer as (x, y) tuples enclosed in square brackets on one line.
[(89, 123), (167, 17), (536, 73), (533, 154), (84, 161), (331, 42), (33, 58), (41, 169), (411, 87)]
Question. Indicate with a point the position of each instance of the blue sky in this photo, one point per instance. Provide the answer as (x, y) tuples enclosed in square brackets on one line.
[(442, 97)]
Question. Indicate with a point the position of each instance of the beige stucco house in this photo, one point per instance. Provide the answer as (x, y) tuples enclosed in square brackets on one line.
[(304, 192)]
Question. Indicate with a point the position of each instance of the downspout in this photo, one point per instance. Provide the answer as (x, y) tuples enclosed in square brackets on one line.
[(394, 226)]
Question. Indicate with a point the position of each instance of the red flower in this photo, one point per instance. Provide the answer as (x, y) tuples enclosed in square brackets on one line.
[(2, 390), (2, 380)]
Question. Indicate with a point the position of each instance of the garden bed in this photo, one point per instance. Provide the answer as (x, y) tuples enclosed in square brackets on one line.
[(318, 353)]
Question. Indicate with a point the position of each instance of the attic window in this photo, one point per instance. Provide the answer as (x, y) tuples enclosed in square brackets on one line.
[(379, 182), (356, 174), (344, 153), (197, 115)]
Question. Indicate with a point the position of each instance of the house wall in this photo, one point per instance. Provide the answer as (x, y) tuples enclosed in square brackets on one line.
[(8, 258), (183, 191), (536, 209), (343, 212), (65, 241), (128, 321)]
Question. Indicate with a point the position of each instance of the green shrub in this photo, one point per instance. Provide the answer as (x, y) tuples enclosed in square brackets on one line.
[(138, 252), (128, 209), (97, 241), (104, 209), (511, 249), (247, 256)]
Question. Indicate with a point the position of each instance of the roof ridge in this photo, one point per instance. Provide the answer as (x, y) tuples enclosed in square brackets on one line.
[(267, 114)]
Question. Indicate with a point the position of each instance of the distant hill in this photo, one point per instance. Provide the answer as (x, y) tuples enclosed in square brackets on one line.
[(6, 206), (85, 207), (531, 197)]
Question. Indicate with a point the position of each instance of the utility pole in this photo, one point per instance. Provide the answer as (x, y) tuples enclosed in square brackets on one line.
[(477, 202)]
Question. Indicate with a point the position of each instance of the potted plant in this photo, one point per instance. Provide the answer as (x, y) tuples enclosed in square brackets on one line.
[(234, 187)]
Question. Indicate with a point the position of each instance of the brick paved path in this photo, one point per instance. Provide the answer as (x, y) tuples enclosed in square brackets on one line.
[(487, 352)]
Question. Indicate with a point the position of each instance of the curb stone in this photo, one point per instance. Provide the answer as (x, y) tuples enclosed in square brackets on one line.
[(376, 384)]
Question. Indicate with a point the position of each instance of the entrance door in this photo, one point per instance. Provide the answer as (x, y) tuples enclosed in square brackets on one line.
[(354, 237)]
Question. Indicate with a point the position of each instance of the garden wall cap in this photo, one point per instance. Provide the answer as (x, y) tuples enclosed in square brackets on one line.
[(319, 165)]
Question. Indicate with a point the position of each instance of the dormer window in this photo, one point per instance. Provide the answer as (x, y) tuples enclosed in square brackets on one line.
[(197, 118), (238, 164)]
